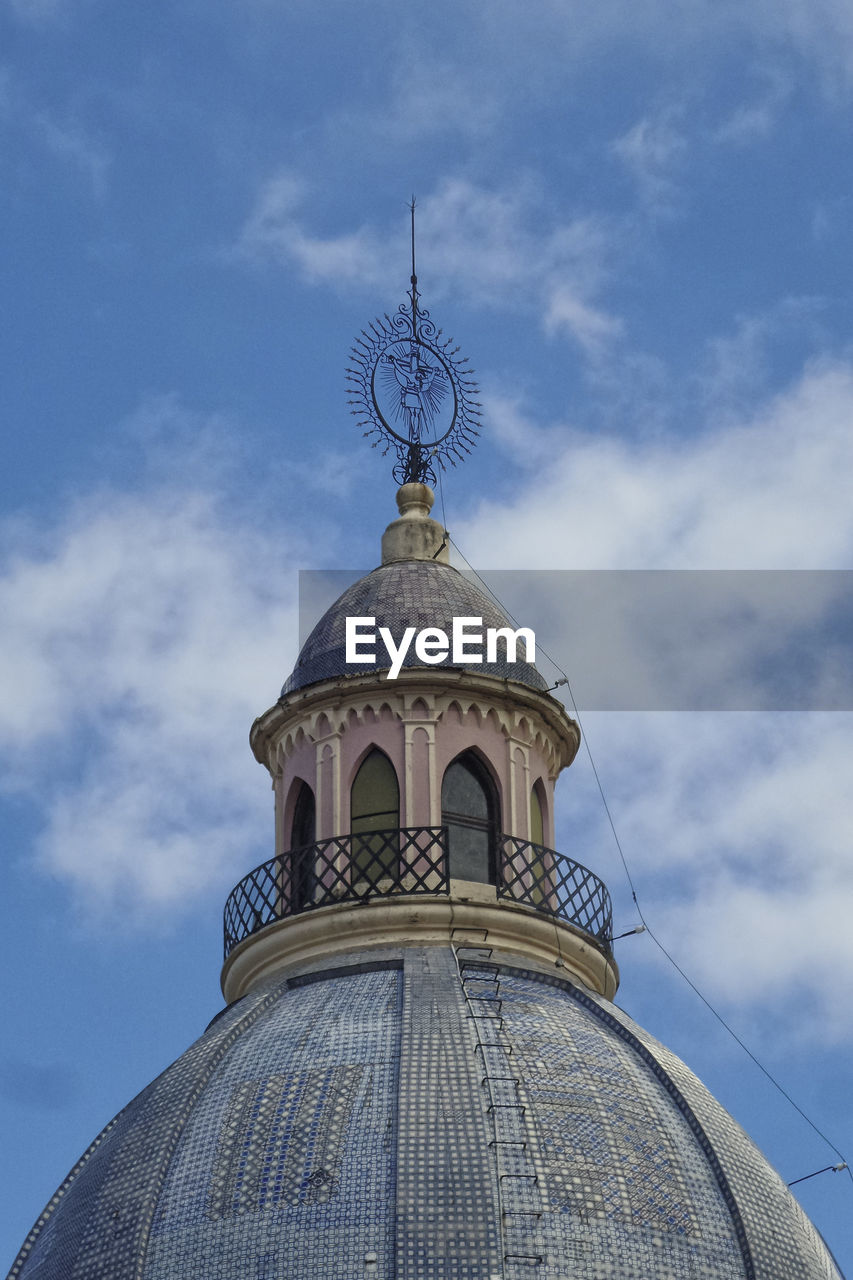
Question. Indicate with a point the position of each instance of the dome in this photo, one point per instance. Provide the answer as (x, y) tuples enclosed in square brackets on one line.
[(359, 1121), (413, 593)]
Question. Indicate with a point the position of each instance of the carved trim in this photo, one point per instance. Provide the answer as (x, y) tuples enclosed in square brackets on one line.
[(521, 713)]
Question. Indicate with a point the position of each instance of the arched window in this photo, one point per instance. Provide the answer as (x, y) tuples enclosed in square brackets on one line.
[(537, 822), (469, 810), (375, 807), (303, 833), (537, 837)]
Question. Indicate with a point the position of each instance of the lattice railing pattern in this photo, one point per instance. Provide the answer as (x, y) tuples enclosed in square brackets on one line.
[(409, 860), (555, 884), (342, 869)]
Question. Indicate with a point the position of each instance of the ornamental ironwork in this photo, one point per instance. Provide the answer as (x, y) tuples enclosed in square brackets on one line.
[(410, 860), (411, 392), (555, 884)]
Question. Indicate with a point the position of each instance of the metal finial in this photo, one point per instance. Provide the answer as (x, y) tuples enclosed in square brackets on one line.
[(414, 290), (410, 392)]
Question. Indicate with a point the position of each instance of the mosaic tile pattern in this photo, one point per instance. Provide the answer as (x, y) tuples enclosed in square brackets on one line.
[(96, 1225), (387, 1120), (417, 593), (446, 1181), (287, 1163), (782, 1240), (620, 1171)]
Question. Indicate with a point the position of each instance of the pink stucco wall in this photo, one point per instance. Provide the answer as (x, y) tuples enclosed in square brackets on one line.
[(326, 754)]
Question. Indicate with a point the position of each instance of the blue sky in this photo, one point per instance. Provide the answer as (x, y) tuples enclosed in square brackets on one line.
[(636, 219)]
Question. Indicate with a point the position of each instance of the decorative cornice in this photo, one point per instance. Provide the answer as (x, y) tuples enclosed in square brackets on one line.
[(519, 711)]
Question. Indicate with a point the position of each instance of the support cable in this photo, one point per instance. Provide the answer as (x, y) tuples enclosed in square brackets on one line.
[(843, 1165)]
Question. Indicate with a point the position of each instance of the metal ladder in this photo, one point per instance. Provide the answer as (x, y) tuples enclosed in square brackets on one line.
[(519, 1196)]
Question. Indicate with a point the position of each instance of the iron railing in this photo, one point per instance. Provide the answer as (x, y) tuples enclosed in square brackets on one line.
[(555, 884), (409, 860)]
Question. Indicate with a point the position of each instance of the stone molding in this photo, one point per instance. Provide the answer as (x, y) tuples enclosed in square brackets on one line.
[(473, 909)]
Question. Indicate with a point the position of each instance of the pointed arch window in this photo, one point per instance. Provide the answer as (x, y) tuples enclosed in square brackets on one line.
[(303, 834), (537, 821), (537, 839), (374, 809), (469, 810)]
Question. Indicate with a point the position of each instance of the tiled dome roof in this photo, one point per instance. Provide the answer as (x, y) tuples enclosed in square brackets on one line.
[(414, 593), (339, 1124)]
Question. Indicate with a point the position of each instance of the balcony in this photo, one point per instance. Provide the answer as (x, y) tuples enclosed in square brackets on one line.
[(411, 861)]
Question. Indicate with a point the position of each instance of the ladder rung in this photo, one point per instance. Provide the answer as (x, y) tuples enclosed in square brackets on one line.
[(501, 1080), (525, 1213), (510, 1142), (505, 1048), (533, 1177), (533, 1258), (515, 1106)]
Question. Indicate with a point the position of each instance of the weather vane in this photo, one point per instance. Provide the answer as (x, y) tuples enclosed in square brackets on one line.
[(410, 392)]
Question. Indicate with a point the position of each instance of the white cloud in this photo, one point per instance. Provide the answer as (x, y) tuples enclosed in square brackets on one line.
[(69, 141), (737, 832), (591, 327), (755, 120), (58, 132), (499, 248), (515, 432), (427, 98), (653, 151), (737, 827), (37, 11), (142, 635), (767, 492), (819, 32), (274, 230)]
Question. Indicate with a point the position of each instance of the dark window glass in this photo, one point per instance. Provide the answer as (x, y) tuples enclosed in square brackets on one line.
[(537, 825), (469, 811), (302, 834)]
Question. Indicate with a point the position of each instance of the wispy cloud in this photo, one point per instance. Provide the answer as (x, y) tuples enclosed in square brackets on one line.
[(737, 826), (426, 98), (737, 833), (69, 141), (53, 131), (653, 152), (37, 12), (766, 491), (756, 117), (142, 634), (498, 247)]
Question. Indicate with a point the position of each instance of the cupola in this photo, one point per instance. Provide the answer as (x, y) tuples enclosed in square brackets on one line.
[(414, 803)]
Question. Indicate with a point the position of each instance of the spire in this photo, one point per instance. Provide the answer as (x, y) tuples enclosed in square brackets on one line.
[(414, 290)]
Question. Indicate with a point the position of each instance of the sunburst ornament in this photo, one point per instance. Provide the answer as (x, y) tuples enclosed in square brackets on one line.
[(410, 391)]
